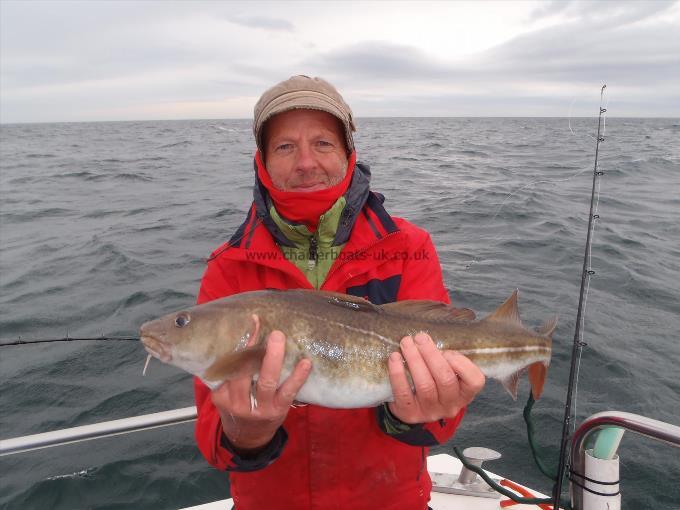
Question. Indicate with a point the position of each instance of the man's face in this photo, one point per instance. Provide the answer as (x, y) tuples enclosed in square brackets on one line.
[(305, 150)]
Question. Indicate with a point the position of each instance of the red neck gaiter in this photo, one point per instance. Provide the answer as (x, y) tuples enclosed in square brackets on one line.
[(300, 206)]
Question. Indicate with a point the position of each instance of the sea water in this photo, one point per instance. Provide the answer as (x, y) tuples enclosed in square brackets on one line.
[(106, 225)]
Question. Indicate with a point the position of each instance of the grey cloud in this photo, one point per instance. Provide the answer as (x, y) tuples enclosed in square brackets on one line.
[(631, 55), (62, 43), (603, 12), (549, 8), (378, 60), (633, 58), (262, 22)]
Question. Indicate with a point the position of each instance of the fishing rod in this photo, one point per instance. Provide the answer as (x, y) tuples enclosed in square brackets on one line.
[(578, 344), (69, 339)]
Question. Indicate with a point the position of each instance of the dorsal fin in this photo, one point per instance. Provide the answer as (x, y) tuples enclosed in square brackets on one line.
[(343, 300), (548, 327), (431, 310), (507, 312)]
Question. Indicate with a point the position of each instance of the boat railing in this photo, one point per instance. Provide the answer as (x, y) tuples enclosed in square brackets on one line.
[(648, 427), (97, 430), (642, 425)]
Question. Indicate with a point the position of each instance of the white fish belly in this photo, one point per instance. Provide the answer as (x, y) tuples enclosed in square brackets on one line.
[(348, 393)]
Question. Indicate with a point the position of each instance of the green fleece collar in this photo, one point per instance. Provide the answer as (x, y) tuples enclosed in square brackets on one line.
[(299, 233)]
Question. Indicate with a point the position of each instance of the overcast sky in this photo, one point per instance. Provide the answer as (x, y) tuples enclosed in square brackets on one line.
[(128, 60)]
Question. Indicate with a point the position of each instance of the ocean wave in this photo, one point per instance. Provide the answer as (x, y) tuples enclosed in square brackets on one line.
[(156, 228), (228, 211), (40, 156), (24, 179), (83, 174), (100, 213), (36, 214), (83, 473), (183, 143), (132, 177), (13, 166), (127, 403)]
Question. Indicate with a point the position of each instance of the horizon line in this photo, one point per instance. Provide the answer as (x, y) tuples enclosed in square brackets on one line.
[(358, 118)]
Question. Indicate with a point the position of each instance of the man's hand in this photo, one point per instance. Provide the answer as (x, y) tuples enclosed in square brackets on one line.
[(444, 381), (249, 428)]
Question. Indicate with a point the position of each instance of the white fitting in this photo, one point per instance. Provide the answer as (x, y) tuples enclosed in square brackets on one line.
[(601, 470)]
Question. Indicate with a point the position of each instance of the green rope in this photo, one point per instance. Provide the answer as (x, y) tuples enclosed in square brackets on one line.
[(495, 486), (547, 471), (550, 473)]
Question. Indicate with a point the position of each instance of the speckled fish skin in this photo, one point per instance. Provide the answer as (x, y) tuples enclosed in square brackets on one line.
[(347, 338)]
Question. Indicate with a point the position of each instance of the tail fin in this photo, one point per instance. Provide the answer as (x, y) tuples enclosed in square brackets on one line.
[(537, 374)]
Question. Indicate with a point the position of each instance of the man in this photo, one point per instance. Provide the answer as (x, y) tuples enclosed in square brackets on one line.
[(314, 223)]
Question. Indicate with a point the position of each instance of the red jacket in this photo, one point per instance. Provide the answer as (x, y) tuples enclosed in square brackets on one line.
[(329, 458)]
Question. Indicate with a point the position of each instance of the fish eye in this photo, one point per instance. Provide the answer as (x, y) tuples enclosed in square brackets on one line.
[(182, 320)]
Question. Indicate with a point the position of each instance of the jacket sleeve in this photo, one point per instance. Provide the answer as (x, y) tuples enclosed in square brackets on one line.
[(210, 439), (421, 279)]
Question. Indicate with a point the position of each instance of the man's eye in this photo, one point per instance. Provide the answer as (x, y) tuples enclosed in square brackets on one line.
[(325, 144), (284, 147)]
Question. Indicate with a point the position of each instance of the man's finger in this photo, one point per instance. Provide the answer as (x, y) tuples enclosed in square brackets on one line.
[(441, 371), (239, 395), (404, 400), (470, 378), (221, 397), (270, 372), (289, 389), (425, 387)]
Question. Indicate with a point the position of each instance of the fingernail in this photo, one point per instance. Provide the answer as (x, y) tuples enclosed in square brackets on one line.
[(421, 339), (407, 341), (396, 357)]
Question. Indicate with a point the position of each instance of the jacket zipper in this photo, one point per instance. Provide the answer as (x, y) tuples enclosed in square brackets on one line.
[(313, 253)]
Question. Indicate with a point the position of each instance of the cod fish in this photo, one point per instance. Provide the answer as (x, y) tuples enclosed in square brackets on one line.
[(347, 338)]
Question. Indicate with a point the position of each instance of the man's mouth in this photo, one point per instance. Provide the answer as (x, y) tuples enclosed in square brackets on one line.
[(315, 186)]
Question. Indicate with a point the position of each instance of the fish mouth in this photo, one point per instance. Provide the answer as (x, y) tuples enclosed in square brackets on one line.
[(156, 347)]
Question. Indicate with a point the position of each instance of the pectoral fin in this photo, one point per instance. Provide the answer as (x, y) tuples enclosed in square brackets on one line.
[(236, 364), (510, 383), (537, 375)]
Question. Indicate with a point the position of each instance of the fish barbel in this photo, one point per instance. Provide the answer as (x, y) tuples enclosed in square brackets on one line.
[(347, 338)]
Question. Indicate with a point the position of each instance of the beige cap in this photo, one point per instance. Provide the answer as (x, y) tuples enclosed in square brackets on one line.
[(300, 93)]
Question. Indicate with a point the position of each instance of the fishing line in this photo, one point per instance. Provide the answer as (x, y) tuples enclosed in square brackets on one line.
[(578, 343), (569, 118), (69, 339), (541, 181), (498, 210)]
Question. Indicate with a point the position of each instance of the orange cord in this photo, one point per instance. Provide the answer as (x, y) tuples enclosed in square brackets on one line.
[(524, 492)]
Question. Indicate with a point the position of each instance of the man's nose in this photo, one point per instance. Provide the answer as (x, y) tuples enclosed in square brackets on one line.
[(306, 160)]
